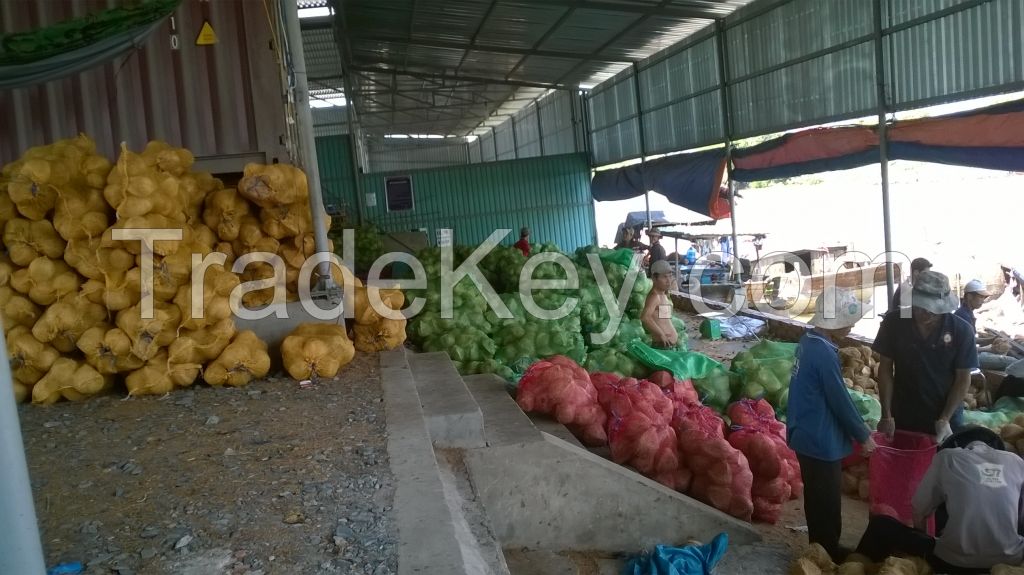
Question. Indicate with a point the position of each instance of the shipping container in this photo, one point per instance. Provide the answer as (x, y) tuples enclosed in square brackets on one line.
[(224, 102)]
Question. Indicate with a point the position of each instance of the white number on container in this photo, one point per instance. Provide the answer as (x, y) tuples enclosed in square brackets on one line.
[(175, 44)]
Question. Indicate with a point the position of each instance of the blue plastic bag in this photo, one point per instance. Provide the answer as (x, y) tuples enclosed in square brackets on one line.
[(689, 560), (72, 568)]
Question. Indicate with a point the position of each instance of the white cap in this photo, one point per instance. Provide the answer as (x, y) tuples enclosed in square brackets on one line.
[(975, 286)]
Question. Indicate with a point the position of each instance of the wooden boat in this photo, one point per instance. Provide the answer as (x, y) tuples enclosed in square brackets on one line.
[(861, 280)]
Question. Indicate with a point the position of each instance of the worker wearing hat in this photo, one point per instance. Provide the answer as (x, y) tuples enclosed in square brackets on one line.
[(926, 361), (821, 419), (975, 295), (657, 313), (656, 252)]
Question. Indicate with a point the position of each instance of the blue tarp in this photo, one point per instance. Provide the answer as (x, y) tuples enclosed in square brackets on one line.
[(688, 180), (689, 560)]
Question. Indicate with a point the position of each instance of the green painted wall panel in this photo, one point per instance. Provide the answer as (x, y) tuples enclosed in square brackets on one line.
[(551, 195), (333, 156)]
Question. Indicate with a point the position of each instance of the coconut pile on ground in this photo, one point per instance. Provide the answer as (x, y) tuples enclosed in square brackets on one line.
[(71, 282)]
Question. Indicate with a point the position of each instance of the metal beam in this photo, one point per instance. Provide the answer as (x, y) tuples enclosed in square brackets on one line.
[(390, 87), (431, 108), (547, 34), (457, 77), (476, 33), (693, 12), (444, 44), (412, 26), (450, 127), (612, 40)]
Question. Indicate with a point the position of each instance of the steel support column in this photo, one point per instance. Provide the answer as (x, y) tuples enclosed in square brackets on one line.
[(726, 104), (307, 140), (883, 147), (20, 548), (641, 131)]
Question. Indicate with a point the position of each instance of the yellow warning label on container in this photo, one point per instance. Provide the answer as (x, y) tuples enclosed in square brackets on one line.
[(206, 37)]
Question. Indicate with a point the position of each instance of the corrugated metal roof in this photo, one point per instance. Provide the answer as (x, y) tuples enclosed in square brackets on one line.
[(978, 50), (460, 66)]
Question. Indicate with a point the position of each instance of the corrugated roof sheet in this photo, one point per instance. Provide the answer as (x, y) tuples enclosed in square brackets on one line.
[(452, 66)]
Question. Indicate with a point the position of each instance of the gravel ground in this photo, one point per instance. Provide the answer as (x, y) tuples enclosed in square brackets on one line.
[(265, 479)]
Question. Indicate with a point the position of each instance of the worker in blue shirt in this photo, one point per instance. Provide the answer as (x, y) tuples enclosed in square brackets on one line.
[(821, 419), (926, 360), (975, 295)]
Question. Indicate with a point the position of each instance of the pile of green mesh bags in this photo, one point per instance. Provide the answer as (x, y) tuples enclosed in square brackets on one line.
[(763, 372), (479, 341)]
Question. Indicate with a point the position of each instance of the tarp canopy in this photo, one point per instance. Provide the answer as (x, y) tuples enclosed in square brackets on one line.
[(991, 137), (634, 219), (693, 181), (51, 53)]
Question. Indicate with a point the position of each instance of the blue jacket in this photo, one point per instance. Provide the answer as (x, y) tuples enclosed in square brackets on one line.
[(821, 419)]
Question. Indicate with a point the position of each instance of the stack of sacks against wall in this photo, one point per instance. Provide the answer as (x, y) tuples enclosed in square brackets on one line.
[(71, 289)]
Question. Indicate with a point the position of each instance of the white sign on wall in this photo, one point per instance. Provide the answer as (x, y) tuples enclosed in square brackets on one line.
[(444, 237)]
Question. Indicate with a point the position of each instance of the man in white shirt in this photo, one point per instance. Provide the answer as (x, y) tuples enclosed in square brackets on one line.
[(982, 489)]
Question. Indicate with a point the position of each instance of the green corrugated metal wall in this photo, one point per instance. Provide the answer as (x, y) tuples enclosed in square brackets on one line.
[(332, 154), (550, 194)]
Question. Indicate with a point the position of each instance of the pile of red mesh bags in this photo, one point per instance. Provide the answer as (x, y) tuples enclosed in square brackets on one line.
[(762, 439), (660, 428), (559, 387), (721, 474), (639, 434), (680, 391)]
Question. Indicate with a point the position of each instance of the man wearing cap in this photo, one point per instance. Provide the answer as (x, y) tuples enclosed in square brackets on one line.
[(926, 361), (655, 253), (975, 295), (523, 244), (657, 313), (821, 420), (917, 266)]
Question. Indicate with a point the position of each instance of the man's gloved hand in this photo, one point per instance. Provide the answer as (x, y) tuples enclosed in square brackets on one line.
[(942, 431), (887, 426)]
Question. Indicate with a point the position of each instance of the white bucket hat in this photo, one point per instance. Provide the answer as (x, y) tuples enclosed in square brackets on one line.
[(838, 309), (975, 286), (932, 293)]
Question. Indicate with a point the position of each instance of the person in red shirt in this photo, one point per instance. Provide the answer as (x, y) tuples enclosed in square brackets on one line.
[(523, 244)]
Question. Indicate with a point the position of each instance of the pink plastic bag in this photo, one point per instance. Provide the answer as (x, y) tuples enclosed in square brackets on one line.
[(895, 470)]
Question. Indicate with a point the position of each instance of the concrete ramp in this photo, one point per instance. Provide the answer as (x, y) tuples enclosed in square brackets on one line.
[(453, 417), (552, 495)]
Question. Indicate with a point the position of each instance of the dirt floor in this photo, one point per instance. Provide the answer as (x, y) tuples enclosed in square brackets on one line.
[(265, 479), (791, 530)]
